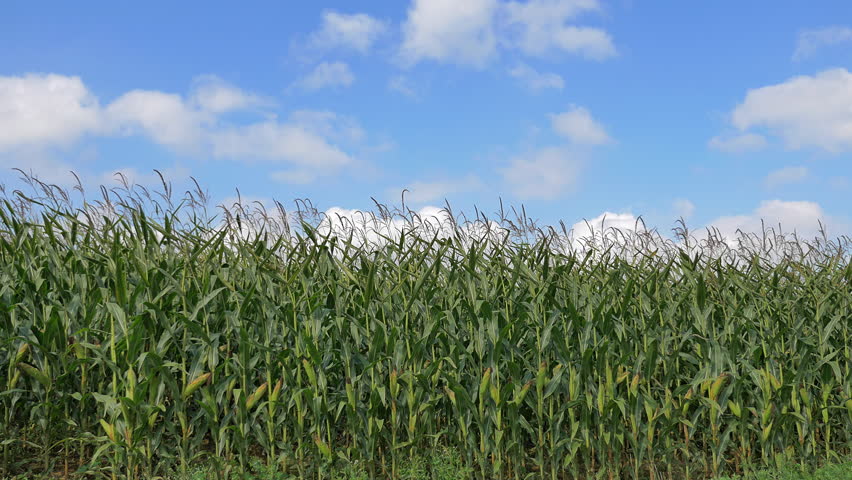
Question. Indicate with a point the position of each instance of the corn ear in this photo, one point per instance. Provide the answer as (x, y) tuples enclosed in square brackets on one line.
[(252, 400), (276, 391), (35, 374), (22, 352), (195, 384)]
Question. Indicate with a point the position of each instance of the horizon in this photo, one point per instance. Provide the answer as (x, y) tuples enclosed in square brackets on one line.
[(187, 217)]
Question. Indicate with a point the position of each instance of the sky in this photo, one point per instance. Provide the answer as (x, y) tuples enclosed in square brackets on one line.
[(721, 113)]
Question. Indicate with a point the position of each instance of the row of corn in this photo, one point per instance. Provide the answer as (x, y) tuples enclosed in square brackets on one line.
[(136, 347)]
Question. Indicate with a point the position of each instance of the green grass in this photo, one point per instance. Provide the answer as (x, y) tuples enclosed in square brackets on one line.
[(834, 471), (142, 336), (446, 465), (442, 464)]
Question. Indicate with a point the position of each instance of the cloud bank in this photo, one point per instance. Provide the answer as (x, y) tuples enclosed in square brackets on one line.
[(48, 111)]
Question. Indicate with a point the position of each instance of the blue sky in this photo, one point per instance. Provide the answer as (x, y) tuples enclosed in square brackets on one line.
[(721, 112)]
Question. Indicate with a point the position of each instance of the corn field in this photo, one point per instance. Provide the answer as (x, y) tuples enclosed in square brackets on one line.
[(139, 337)]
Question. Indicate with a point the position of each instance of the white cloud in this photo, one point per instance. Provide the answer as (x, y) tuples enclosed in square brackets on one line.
[(303, 140), (809, 41), (48, 110), (786, 176), (45, 110), (538, 27), (683, 208), (367, 228), (41, 111), (471, 32), (798, 216), (595, 230), (214, 95), (177, 123), (746, 142), (353, 31), (551, 171), (536, 81), (278, 142), (778, 216), (450, 31), (256, 214), (329, 125), (327, 74), (608, 228), (805, 111), (578, 126), (545, 174), (420, 192), (164, 117)]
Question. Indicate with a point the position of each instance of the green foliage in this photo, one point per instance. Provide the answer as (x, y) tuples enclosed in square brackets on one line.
[(791, 471), (446, 464), (139, 340)]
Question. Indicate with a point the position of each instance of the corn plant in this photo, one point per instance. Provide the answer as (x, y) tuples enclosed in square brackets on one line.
[(141, 335)]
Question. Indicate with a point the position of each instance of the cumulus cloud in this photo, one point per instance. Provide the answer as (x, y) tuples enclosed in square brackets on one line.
[(327, 74), (809, 41), (450, 31), (42, 111), (538, 27), (544, 174), (792, 216), (471, 32), (258, 215), (548, 172), (786, 176), (603, 226), (349, 31), (367, 228), (536, 81), (419, 192), (177, 123), (164, 117), (804, 111), (775, 217), (39, 110), (742, 143), (578, 126)]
